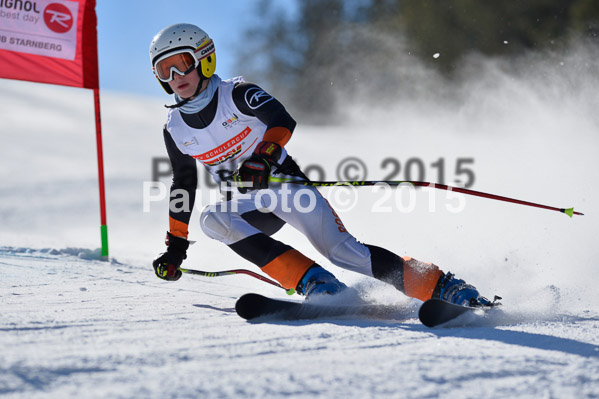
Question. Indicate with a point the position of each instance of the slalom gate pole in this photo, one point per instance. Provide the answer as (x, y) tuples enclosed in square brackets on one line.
[(103, 225), (362, 183), (221, 273)]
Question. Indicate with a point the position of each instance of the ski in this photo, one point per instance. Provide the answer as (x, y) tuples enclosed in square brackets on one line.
[(432, 313), (255, 307), (435, 312)]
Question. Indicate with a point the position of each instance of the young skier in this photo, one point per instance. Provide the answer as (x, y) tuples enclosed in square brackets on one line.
[(239, 133)]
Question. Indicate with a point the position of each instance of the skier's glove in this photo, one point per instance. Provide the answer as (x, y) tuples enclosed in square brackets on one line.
[(256, 169), (166, 265)]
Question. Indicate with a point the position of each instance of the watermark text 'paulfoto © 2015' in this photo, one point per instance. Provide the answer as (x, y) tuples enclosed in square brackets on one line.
[(400, 198), (297, 198), (458, 172)]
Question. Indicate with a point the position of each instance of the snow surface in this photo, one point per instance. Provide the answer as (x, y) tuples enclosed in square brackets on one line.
[(73, 326)]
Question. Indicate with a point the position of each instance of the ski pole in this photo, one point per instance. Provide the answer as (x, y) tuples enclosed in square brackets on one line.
[(361, 183), (221, 273)]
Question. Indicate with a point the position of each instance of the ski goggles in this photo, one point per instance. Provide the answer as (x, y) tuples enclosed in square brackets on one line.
[(181, 61)]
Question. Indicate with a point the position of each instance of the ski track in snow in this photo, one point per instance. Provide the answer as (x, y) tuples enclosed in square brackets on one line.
[(73, 326)]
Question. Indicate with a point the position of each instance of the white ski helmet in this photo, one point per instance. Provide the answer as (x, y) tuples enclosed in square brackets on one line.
[(180, 48)]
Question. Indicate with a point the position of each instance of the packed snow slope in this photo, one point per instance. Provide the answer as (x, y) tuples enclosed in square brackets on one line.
[(74, 326)]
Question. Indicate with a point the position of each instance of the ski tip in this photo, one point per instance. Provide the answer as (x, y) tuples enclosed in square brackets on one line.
[(248, 305), (435, 312)]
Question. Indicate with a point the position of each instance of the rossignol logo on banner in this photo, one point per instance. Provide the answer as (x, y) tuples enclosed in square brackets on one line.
[(40, 27)]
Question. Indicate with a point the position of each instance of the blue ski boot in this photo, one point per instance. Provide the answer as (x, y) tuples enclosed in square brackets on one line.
[(317, 281), (456, 291)]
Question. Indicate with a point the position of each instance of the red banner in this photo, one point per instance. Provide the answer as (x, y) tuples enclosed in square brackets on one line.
[(49, 41)]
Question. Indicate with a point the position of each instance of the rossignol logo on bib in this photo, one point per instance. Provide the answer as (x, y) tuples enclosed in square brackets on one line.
[(40, 27), (256, 97)]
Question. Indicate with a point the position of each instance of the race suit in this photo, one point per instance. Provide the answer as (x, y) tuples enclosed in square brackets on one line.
[(223, 135)]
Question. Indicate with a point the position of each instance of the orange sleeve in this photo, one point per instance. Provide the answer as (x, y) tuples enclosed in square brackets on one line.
[(279, 135), (177, 228)]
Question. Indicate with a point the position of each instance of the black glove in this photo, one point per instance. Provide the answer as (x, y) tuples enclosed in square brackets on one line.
[(256, 169), (166, 266)]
